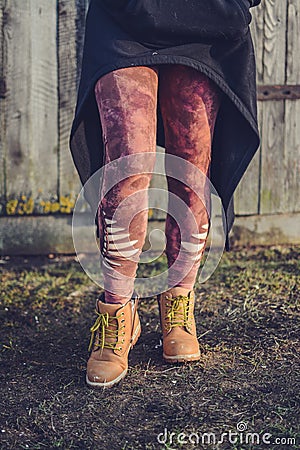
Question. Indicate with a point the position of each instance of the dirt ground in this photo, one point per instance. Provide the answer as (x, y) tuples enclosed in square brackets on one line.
[(246, 385)]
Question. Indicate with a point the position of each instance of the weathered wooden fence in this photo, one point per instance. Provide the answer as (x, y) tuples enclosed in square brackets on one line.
[(40, 53)]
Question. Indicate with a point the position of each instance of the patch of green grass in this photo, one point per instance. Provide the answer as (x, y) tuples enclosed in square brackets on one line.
[(247, 318)]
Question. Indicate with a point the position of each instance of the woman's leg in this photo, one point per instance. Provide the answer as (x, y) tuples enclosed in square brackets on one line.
[(127, 102), (189, 103)]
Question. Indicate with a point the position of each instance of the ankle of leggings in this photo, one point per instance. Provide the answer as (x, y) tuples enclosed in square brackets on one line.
[(114, 298), (179, 290)]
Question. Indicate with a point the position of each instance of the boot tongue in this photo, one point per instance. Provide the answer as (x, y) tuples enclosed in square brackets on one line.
[(110, 336), (179, 305), (179, 291), (110, 308)]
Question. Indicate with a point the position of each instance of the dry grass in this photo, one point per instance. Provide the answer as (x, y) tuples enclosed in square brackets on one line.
[(248, 325)]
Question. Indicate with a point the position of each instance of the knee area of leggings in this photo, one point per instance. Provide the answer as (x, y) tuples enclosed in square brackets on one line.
[(190, 195), (137, 182), (185, 193), (178, 186)]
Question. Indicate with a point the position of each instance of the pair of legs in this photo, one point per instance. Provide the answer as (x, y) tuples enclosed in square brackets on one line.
[(127, 103)]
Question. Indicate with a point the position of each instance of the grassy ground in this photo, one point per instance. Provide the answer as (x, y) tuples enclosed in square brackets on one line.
[(248, 325)]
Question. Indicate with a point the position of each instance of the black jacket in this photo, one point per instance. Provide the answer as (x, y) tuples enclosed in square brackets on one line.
[(211, 36)]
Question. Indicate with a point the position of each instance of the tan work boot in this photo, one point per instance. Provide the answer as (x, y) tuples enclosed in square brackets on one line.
[(115, 331), (180, 341)]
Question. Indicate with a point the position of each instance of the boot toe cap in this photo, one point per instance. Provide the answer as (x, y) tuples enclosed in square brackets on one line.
[(182, 349), (104, 373)]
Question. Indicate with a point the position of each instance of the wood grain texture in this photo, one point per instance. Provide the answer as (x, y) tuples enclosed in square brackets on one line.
[(274, 41), (292, 111), (67, 77), (82, 9), (40, 56), (2, 106), (273, 171), (257, 31), (293, 43), (31, 105), (246, 197)]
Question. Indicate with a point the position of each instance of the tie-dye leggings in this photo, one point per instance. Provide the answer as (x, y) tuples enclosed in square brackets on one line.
[(127, 102)]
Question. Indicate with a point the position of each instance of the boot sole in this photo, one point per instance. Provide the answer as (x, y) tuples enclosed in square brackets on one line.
[(107, 384), (181, 358)]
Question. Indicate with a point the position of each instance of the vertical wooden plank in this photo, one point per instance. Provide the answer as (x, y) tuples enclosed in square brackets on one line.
[(292, 111), (32, 100), (246, 199), (293, 43), (2, 107), (273, 129), (257, 31), (82, 9), (67, 75), (274, 41)]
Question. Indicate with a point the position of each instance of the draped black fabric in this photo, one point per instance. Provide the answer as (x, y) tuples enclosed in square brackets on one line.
[(211, 36)]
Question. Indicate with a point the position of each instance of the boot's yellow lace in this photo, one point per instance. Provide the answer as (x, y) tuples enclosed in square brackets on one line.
[(177, 311), (109, 330)]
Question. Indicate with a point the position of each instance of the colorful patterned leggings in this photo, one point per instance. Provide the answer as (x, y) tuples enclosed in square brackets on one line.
[(127, 103)]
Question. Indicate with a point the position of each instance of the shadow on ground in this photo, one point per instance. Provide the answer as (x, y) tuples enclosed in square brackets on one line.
[(246, 382)]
